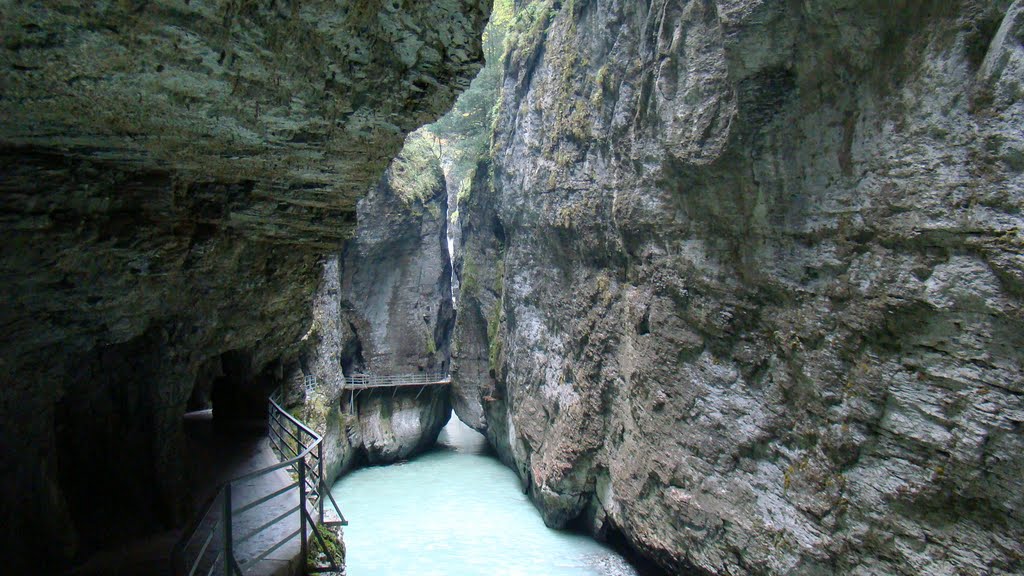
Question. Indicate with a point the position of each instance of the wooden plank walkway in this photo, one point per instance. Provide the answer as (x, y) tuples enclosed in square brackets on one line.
[(368, 381)]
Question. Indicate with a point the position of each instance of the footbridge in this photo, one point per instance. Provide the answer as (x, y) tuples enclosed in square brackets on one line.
[(357, 383), (367, 381)]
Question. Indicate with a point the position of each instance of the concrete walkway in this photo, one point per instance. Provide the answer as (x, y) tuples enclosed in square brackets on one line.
[(217, 453), (231, 452)]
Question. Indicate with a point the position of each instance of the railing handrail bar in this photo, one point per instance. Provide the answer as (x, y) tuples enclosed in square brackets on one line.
[(301, 426), (269, 523), (402, 376), (273, 467), (263, 499), (297, 436), (272, 549), (203, 548), (323, 486), (193, 526)]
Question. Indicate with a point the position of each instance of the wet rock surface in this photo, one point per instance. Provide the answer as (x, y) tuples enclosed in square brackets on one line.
[(742, 283), (173, 173)]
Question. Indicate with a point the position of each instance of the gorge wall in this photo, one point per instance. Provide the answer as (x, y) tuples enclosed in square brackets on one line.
[(742, 281), (384, 306), (173, 172)]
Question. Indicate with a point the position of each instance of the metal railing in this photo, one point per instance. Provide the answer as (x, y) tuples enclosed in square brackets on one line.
[(309, 381), (361, 381), (200, 551)]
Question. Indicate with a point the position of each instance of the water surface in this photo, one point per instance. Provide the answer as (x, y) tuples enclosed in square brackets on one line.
[(457, 511)]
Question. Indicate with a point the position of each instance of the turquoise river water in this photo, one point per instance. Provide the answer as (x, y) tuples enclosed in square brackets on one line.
[(457, 511)]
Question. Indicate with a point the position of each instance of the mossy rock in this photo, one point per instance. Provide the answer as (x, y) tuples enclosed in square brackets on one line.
[(333, 548)]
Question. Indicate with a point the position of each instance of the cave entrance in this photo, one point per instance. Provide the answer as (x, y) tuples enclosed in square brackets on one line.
[(231, 391), (230, 388), (225, 423)]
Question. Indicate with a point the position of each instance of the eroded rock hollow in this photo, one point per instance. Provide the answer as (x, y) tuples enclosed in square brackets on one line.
[(742, 281)]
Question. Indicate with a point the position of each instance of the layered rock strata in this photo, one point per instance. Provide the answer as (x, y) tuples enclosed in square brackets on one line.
[(742, 284), (172, 173)]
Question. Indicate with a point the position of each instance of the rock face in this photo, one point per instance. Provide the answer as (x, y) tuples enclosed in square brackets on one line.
[(743, 281), (396, 300), (172, 173), (383, 307)]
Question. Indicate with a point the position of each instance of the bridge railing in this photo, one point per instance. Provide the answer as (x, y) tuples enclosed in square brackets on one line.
[(210, 546), (358, 381)]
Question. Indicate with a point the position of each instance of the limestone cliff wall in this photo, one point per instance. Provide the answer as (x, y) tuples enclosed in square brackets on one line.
[(384, 306), (172, 172), (742, 283), (396, 282)]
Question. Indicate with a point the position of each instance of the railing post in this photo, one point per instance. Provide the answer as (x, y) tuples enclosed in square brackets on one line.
[(323, 483), (228, 552), (302, 508), (298, 439)]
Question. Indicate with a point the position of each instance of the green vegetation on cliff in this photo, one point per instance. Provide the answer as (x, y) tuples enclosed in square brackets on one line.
[(466, 130), (463, 136), (415, 172)]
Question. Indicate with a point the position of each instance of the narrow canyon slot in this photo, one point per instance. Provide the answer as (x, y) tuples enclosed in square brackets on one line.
[(510, 287)]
